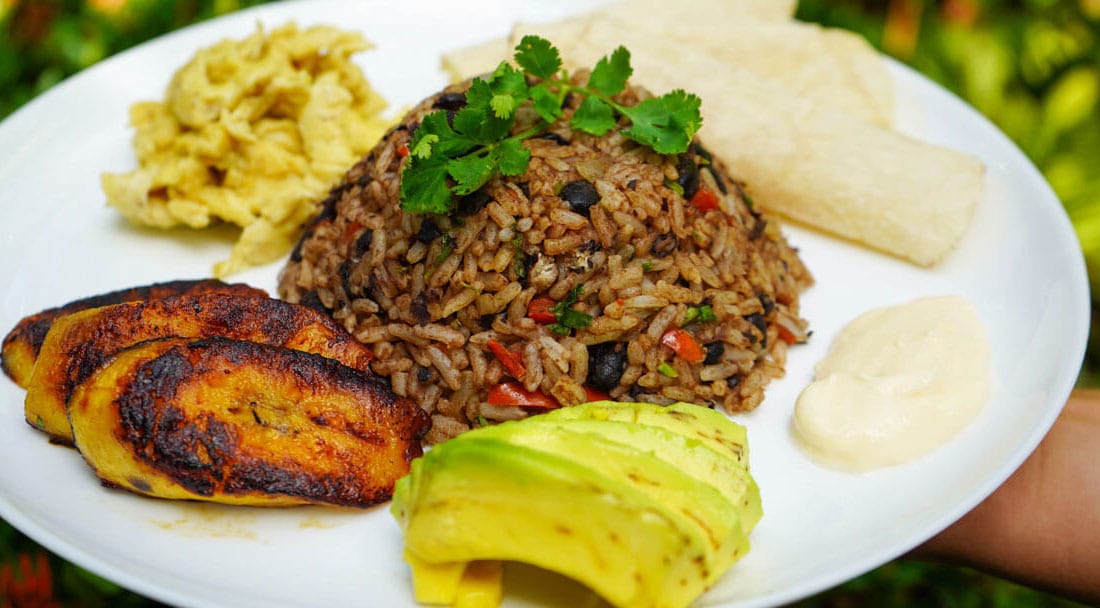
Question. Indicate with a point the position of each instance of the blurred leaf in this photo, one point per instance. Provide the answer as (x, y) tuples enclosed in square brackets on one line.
[(1072, 98)]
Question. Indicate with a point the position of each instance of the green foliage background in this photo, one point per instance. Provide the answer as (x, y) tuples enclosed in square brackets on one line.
[(1031, 66)]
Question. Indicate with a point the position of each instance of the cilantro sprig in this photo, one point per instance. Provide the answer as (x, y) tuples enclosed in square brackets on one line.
[(567, 317), (455, 156)]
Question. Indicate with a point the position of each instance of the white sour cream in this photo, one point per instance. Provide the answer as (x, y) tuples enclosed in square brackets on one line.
[(897, 383)]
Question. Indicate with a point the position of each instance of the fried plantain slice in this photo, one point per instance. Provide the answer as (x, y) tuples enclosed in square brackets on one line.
[(80, 342), (21, 345), (244, 423)]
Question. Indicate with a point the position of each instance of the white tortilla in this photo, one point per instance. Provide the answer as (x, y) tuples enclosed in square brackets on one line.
[(828, 66), (478, 59), (806, 160)]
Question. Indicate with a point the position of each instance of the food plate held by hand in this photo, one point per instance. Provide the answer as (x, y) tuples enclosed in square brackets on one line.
[(1037, 320)]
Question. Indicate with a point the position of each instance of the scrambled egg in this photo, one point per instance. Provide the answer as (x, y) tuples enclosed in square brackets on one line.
[(252, 132)]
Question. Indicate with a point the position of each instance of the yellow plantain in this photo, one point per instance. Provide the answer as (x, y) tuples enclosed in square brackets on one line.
[(79, 343), (244, 423), (21, 345)]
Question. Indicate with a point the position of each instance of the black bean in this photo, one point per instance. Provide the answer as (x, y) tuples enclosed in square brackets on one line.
[(450, 101), (296, 253), (733, 381), (664, 244), (687, 175), (715, 350), (362, 243), (371, 286), (757, 228), (590, 246), (423, 374), (312, 300), (345, 278), (341, 189), (761, 324), (428, 231), (419, 310), (580, 195), (328, 207), (766, 302), (555, 137), (606, 364), (758, 321), (486, 321), (473, 202), (708, 164)]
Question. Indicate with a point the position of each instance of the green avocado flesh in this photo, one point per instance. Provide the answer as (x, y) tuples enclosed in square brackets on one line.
[(642, 514), (638, 462), (675, 455), (709, 426)]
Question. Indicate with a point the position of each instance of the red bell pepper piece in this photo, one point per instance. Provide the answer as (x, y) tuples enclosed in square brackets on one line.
[(705, 199), (786, 335), (684, 345), (592, 394), (511, 361), (513, 393), (539, 309)]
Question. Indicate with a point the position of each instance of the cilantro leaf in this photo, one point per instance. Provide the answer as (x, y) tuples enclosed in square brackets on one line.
[(479, 120), (546, 102), (509, 90), (422, 146), (593, 116), (503, 105), (435, 135), (666, 123), (507, 80), (569, 319), (470, 172), (538, 57), (424, 186), (511, 157), (611, 73), (456, 154), (478, 95)]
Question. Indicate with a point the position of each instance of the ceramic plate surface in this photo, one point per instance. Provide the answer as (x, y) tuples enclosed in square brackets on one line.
[(1019, 264)]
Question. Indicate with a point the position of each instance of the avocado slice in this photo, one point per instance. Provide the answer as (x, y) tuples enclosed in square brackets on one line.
[(705, 488), (478, 497), (709, 426), (688, 454)]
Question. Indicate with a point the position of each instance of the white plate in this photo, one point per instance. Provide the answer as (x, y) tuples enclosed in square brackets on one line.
[(1020, 264)]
